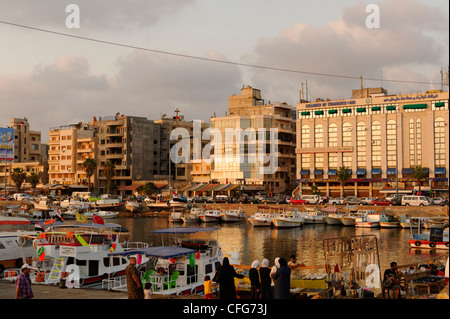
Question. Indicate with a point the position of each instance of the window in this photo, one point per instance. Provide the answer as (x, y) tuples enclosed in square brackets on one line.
[(361, 144), (332, 142), (376, 144), (391, 138), (439, 142)]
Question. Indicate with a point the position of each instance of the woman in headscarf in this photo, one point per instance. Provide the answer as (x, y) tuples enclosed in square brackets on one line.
[(282, 281), (264, 275), (272, 272), (225, 278), (253, 274)]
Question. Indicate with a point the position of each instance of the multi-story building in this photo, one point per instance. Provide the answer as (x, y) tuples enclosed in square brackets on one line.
[(241, 161), (27, 143), (63, 156), (138, 148), (380, 138), (181, 173)]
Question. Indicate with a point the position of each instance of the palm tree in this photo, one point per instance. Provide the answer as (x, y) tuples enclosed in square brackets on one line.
[(419, 174), (33, 179), (149, 188), (109, 173), (343, 175), (89, 165), (18, 176)]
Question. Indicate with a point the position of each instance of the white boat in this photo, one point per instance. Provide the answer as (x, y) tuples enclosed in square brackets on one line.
[(13, 250), (176, 217), (234, 215), (315, 217), (348, 219), (173, 203), (434, 222), (83, 252), (210, 216), (44, 204), (261, 219), (192, 216), (427, 240), (288, 220), (334, 219), (388, 221), (107, 203), (43, 214), (102, 213), (367, 219), (408, 222), (68, 203), (133, 206), (179, 268)]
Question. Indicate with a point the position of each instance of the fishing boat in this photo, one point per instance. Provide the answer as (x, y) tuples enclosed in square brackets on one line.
[(408, 222), (234, 215), (315, 217), (44, 204), (262, 219), (133, 206), (368, 219), (192, 216), (176, 217), (388, 221), (436, 238), (348, 219), (435, 222), (210, 216), (68, 203), (334, 219), (179, 268), (83, 252), (108, 203), (102, 213), (288, 220)]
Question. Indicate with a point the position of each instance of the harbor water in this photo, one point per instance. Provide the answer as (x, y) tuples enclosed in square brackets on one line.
[(306, 242)]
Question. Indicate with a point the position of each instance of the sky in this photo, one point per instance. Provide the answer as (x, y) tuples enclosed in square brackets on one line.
[(55, 80)]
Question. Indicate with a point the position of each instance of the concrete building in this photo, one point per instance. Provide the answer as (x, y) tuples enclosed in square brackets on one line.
[(238, 161), (64, 158), (376, 136), (138, 147), (27, 143)]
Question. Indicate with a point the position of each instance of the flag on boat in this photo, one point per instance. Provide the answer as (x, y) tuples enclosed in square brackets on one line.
[(80, 218), (98, 220), (58, 214)]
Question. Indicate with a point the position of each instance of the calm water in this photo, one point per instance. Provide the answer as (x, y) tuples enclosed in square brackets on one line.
[(305, 242)]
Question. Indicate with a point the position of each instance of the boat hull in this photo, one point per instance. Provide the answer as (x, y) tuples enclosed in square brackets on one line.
[(281, 223), (333, 221), (347, 221), (260, 222), (367, 224), (210, 219), (425, 244), (389, 224), (314, 220)]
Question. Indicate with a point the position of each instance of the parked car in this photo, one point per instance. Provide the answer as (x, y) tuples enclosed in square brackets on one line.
[(366, 200), (220, 199), (415, 201), (351, 200), (22, 196), (438, 201), (297, 201), (336, 201), (268, 200), (382, 202), (311, 199)]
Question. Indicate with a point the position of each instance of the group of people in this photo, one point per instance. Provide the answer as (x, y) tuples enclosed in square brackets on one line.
[(266, 282)]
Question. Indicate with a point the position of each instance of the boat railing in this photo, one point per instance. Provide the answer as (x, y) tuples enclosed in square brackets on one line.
[(135, 245), (117, 283)]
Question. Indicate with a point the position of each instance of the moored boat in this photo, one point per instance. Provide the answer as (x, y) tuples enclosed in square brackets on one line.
[(235, 215), (334, 219), (133, 207), (315, 217), (210, 216), (102, 213), (288, 220), (261, 219), (437, 238), (388, 221), (367, 219)]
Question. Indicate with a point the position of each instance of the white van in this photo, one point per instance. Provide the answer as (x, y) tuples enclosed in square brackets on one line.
[(415, 201), (311, 199)]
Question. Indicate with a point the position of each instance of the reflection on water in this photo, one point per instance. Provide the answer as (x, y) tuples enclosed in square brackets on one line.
[(305, 242)]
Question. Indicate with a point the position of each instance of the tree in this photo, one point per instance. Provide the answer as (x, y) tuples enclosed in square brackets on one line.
[(315, 190), (33, 179), (109, 173), (18, 176), (149, 188), (343, 175), (89, 165), (419, 174)]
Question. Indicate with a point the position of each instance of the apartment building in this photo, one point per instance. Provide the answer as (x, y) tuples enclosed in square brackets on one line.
[(239, 161), (376, 136), (27, 143)]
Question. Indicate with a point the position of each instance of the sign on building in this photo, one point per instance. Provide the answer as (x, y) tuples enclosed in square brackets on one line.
[(6, 144)]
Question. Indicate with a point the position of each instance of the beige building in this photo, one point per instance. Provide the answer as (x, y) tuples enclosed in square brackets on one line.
[(27, 143), (40, 168), (239, 162), (63, 155), (374, 135)]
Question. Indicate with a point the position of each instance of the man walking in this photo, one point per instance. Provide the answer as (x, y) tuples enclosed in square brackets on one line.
[(23, 284)]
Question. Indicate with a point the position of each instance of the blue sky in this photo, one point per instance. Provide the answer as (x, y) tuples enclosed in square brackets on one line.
[(54, 80)]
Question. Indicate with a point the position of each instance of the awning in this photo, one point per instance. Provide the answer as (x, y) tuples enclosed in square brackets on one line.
[(439, 104), (361, 171), (376, 171), (304, 172), (376, 108), (318, 112), (318, 172), (407, 171), (219, 187), (332, 172), (192, 187), (305, 113), (230, 187), (390, 108), (390, 171), (157, 252), (360, 109), (128, 188), (415, 106), (439, 170), (206, 187)]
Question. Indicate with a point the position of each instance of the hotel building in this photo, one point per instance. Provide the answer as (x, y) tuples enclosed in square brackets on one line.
[(376, 136), (249, 111)]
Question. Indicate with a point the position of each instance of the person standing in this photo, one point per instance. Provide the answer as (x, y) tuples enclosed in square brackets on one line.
[(134, 283), (264, 275), (23, 284), (225, 278), (282, 280), (207, 287), (253, 275), (272, 272)]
